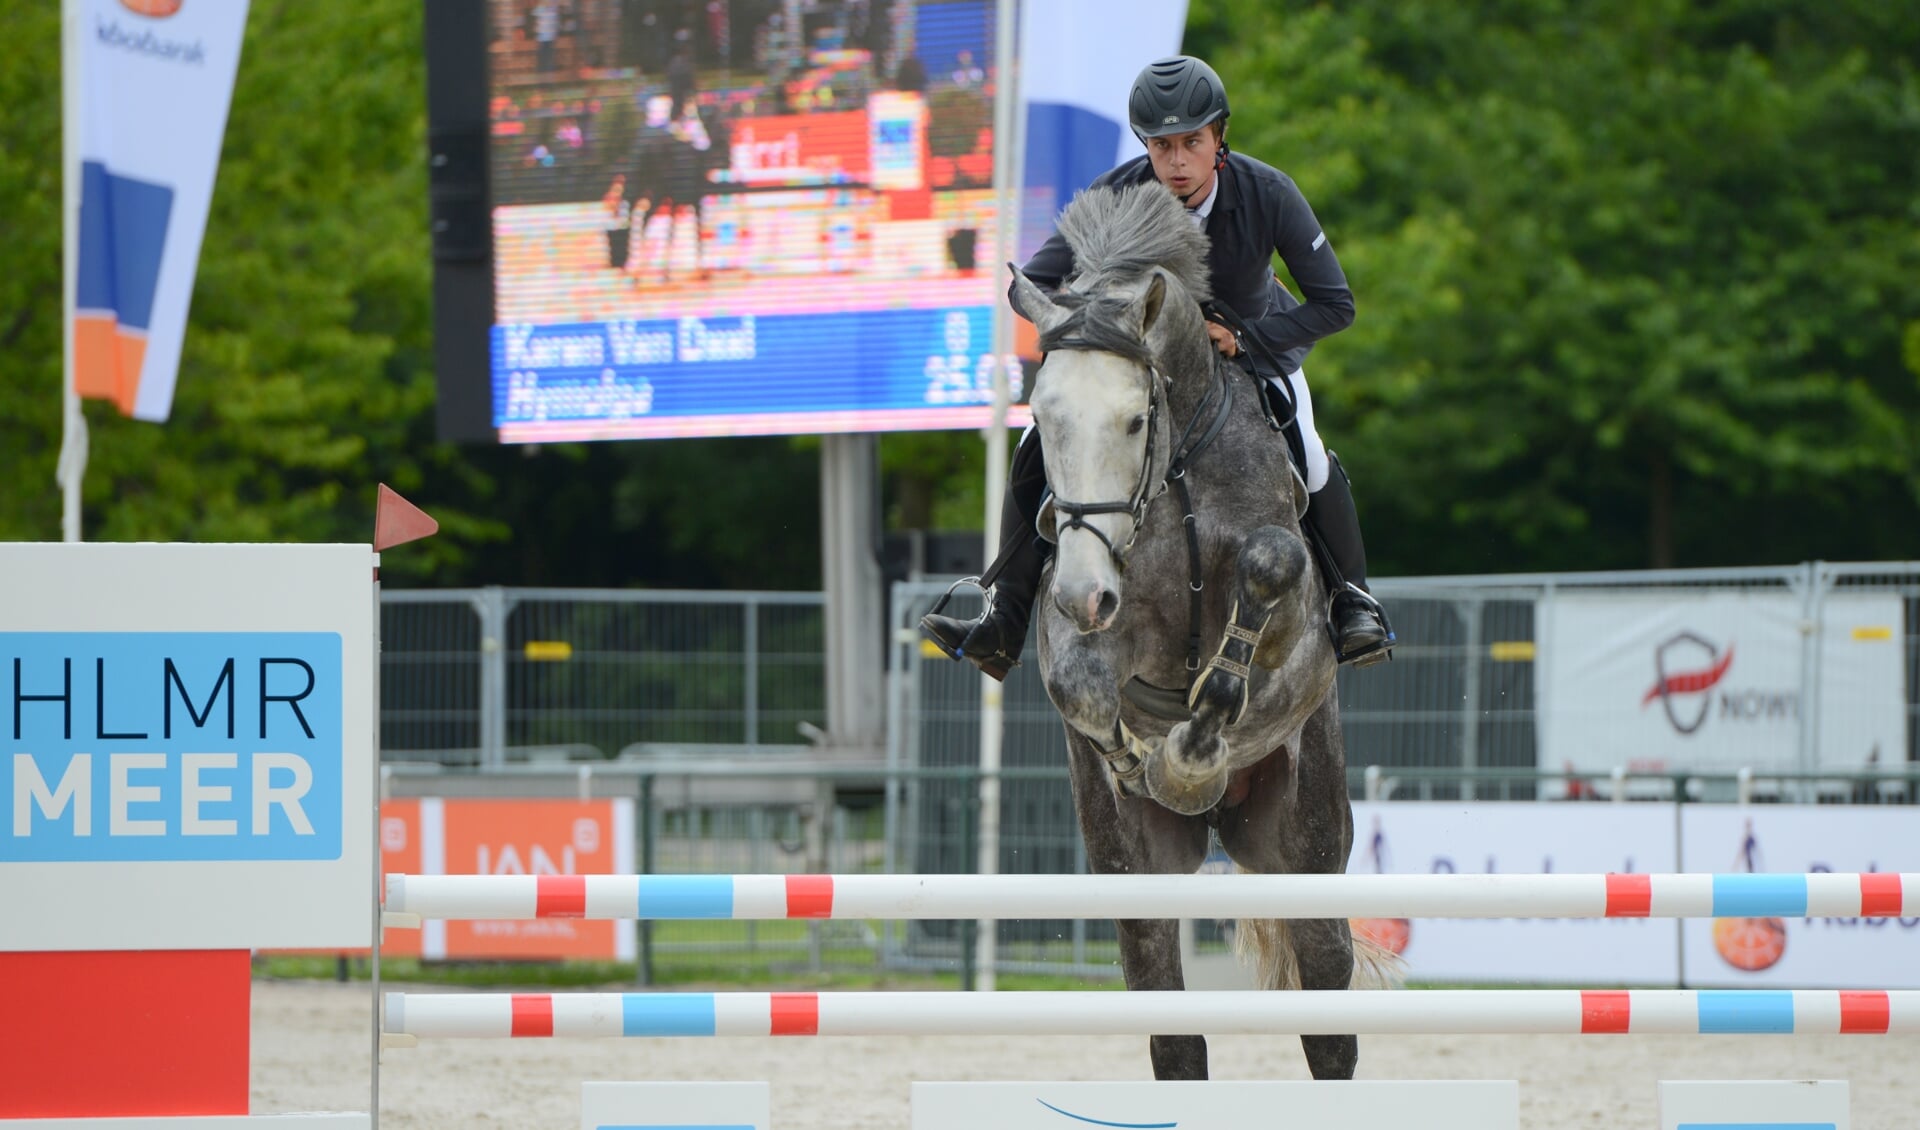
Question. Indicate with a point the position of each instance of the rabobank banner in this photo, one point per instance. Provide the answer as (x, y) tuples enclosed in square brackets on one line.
[(1081, 57), (1788, 841), (155, 78), (1441, 838)]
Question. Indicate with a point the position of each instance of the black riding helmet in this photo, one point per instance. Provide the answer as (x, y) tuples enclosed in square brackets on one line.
[(1177, 94)]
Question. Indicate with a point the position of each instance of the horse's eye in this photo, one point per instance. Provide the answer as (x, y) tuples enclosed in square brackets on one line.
[(1139, 422)]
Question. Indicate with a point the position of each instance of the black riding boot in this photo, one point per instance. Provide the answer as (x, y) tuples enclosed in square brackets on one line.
[(1361, 633), (993, 640)]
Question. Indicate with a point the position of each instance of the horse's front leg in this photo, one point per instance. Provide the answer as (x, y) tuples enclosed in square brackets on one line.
[(1191, 775), (1081, 682), (1126, 836)]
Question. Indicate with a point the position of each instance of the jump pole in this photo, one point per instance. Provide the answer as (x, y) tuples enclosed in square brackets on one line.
[(1315, 1012), (411, 898)]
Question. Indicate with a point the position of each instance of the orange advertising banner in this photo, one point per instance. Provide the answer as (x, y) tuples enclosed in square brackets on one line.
[(436, 836), (532, 837), (399, 855)]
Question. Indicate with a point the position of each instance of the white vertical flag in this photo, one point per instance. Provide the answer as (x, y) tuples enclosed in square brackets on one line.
[(1080, 59), (154, 80)]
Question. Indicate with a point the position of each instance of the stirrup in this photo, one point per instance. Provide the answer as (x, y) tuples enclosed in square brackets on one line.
[(996, 666), (932, 633), (941, 604), (1367, 656)]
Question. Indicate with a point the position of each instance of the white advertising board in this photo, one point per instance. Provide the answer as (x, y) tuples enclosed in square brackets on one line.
[(1714, 681), (187, 757), (1747, 1104), (1461, 838), (1224, 1105), (325, 1120), (674, 1106), (1801, 953)]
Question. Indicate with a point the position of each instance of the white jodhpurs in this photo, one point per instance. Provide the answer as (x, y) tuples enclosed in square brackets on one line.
[(1317, 467)]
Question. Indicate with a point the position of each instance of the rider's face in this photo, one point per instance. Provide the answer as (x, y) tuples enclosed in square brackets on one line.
[(1184, 162)]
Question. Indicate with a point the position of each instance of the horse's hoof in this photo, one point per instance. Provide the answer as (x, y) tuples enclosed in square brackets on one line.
[(1189, 796)]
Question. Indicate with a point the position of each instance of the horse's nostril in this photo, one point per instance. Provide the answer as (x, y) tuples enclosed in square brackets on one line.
[(1109, 604)]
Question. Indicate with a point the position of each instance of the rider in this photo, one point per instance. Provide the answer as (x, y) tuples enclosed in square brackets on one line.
[(1249, 210)]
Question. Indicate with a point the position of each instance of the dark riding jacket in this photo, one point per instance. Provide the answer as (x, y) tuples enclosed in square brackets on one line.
[(1257, 211)]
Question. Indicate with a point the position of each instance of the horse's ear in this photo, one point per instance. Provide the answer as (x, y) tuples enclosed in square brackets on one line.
[(1152, 300), (1033, 302)]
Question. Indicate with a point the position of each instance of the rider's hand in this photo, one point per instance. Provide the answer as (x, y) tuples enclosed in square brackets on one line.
[(1223, 339)]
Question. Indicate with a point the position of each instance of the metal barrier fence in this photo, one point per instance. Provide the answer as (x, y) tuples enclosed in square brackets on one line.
[(492, 676), (1461, 692)]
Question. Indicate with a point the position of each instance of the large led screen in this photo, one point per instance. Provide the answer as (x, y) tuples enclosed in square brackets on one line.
[(740, 217)]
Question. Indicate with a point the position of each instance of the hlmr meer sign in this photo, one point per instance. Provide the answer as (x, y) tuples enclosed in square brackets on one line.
[(171, 746), (186, 746)]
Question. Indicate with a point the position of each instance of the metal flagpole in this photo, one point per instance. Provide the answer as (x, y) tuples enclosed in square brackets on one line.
[(1006, 175), (72, 466)]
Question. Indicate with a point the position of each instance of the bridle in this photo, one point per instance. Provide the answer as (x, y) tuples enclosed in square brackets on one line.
[(1144, 486), (1148, 486)]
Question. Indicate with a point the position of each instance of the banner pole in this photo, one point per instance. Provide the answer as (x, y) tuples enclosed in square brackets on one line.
[(71, 468), (1006, 113)]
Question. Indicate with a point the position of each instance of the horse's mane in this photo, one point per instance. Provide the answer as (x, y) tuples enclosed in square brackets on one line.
[(1120, 234)]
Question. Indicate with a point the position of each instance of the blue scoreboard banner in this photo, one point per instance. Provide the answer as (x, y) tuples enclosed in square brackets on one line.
[(767, 373)]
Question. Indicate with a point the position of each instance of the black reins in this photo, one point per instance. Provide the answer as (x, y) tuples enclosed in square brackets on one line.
[(1246, 339)]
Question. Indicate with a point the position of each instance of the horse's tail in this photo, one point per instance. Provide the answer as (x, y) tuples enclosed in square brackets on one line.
[(1376, 966), (1266, 946)]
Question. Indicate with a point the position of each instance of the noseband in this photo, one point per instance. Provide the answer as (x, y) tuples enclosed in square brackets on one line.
[(1135, 504)]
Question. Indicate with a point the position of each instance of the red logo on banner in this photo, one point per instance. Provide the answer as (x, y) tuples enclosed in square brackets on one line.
[(152, 9), (1686, 665), (798, 147), (1750, 944)]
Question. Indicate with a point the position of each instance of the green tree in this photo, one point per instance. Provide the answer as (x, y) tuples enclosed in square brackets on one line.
[(1632, 285), (30, 286), (305, 376), (1635, 286)]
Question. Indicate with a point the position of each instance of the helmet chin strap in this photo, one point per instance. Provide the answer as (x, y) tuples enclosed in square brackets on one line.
[(1219, 162)]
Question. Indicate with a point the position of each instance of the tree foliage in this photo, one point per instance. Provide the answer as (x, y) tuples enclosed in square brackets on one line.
[(1636, 285), (1633, 284)]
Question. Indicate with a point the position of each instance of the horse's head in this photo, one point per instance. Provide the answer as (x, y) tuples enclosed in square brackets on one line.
[(1127, 320), (1101, 407)]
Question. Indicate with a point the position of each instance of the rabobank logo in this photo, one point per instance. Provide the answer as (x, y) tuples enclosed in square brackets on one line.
[(149, 746), (1168, 1124), (1689, 681), (143, 41)]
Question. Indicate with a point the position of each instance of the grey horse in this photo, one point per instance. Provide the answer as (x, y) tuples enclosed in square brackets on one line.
[(1165, 471)]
